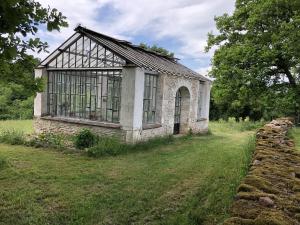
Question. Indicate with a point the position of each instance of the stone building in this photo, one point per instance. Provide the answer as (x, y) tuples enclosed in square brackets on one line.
[(116, 88)]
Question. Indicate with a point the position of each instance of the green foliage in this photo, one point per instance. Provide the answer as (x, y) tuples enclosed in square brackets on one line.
[(17, 88), (23, 17), (85, 139), (14, 108), (248, 151), (106, 146), (159, 50), (12, 136), (17, 83), (112, 146), (256, 65), (47, 140)]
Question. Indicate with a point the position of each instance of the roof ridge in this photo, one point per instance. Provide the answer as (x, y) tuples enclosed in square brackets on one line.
[(81, 28)]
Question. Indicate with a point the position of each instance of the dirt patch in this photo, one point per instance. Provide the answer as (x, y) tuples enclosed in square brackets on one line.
[(270, 193)]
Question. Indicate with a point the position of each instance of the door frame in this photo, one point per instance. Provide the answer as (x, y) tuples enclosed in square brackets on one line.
[(177, 113)]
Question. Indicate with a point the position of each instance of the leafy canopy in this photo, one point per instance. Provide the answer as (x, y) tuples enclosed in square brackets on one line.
[(19, 18), (159, 50), (257, 61)]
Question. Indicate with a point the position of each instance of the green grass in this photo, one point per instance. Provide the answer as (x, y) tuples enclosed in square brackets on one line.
[(25, 126), (192, 180), (296, 136)]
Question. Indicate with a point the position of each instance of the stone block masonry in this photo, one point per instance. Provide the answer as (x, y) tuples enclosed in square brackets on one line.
[(270, 193), (70, 128)]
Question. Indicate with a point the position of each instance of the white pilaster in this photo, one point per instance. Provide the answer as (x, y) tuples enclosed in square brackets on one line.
[(207, 99), (131, 114), (40, 101)]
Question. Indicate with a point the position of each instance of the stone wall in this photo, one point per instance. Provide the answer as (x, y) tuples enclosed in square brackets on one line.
[(270, 193), (131, 112), (59, 126), (171, 85)]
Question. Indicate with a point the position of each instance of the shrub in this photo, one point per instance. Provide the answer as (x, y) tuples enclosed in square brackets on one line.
[(106, 146), (47, 140), (13, 137), (85, 139)]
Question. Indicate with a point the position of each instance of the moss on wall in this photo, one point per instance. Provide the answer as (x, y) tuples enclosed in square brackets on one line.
[(270, 193)]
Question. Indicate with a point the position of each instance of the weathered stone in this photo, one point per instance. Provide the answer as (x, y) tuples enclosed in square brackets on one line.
[(273, 178), (131, 127), (256, 162), (266, 201), (70, 128)]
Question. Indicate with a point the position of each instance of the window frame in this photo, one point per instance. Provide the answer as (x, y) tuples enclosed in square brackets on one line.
[(150, 99), (84, 94)]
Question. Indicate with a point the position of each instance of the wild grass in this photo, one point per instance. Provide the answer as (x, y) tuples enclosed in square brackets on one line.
[(12, 136), (184, 181), (48, 140), (242, 125), (295, 135), (111, 146)]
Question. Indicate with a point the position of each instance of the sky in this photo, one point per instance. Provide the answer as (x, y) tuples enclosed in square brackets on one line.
[(181, 26)]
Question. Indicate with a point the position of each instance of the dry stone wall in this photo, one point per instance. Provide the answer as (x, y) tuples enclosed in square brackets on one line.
[(270, 193)]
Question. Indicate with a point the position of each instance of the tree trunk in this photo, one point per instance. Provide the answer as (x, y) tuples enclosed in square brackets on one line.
[(294, 85), (290, 77)]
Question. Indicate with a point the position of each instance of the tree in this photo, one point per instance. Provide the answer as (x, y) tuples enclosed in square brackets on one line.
[(156, 49), (18, 87), (18, 19), (256, 64)]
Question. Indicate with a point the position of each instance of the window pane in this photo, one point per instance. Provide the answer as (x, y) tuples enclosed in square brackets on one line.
[(86, 53), (149, 103), (85, 94)]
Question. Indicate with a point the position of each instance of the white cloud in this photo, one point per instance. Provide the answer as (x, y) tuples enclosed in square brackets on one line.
[(204, 70), (187, 21)]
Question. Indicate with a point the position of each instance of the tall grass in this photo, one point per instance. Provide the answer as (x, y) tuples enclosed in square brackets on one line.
[(48, 140), (112, 146), (12, 136), (242, 125), (248, 152)]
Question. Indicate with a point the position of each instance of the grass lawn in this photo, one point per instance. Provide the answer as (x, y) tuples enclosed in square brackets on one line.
[(296, 135), (22, 125), (192, 181)]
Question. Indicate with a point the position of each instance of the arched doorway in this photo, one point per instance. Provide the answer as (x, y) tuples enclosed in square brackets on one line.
[(182, 110)]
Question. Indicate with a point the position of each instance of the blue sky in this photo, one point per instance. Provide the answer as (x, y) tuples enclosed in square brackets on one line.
[(181, 26)]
